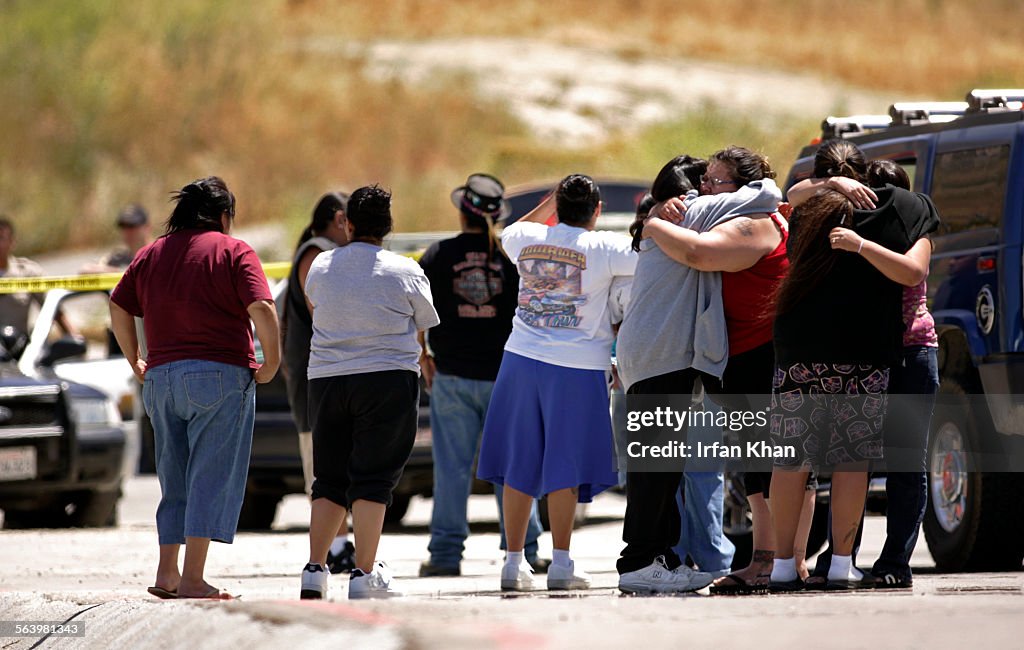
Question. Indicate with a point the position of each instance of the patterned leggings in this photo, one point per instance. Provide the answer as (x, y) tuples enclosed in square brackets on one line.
[(831, 413)]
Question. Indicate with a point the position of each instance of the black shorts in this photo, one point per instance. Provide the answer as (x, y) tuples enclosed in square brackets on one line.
[(363, 427)]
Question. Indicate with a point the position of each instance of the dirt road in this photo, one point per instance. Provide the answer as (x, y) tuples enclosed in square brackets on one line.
[(99, 578)]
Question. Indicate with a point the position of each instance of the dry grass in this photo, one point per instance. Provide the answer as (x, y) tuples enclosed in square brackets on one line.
[(111, 101), (932, 48)]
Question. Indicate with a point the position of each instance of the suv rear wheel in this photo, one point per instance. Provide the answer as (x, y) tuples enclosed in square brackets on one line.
[(973, 519), (96, 509)]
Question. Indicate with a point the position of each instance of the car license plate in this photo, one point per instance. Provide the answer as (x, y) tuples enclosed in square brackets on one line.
[(17, 463)]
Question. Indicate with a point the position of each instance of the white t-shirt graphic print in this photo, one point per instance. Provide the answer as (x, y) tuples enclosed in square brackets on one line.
[(551, 287), (565, 273)]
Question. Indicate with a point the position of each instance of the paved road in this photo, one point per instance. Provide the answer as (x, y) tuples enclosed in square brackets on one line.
[(101, 576)]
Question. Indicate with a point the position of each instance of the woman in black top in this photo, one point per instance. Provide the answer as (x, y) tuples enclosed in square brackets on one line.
[(326, 230), (837, 331)]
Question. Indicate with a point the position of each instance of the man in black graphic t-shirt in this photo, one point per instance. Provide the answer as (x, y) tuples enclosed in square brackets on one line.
[(474, 287)]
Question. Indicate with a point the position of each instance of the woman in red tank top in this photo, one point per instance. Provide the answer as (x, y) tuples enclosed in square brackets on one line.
[(750, 251)]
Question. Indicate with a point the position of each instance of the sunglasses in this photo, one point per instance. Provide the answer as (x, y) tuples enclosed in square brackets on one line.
[(715, 182)]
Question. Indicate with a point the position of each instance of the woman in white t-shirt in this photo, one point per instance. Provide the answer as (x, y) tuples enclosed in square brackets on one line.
[(547, 429)]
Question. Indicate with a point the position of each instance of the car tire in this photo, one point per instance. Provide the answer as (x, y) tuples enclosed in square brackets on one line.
[(43, 517), (258, 511), (399, 506), (95, 509), (973, 521)]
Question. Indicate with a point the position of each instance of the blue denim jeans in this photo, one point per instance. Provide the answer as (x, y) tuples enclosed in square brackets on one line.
[(701, 511), (203, 414), (457, 410), (916, 381)]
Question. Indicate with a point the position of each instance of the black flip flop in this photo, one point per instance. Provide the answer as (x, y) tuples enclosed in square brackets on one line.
[(849, 585), (789, 586), (740, 587), (815, 583), (161, 593)]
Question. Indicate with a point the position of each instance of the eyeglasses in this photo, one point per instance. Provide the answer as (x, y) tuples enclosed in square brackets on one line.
[(715, 182)]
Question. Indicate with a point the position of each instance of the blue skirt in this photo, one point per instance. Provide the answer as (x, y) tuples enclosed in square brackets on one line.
[(547, 429)]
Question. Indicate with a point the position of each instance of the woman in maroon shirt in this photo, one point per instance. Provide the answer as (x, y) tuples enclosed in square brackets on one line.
[(196, 289)]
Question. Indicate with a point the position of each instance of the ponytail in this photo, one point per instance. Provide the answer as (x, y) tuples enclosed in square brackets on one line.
[(838, 157), (328, 206), (200, 205)]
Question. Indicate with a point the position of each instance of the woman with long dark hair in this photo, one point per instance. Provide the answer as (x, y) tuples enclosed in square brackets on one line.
[(326, 231), (914, 380), (838, 333), (196, 289)]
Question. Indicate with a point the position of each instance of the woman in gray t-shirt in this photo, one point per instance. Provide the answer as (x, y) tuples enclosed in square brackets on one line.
[(368, 305)]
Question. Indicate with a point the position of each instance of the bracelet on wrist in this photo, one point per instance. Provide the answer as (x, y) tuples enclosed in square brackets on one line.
[(859, 248)]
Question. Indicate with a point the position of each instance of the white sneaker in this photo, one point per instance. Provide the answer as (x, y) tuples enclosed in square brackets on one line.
[(314, 582), (376, 584), (695, 579), (560, 577), (517, 577), (656, 578)]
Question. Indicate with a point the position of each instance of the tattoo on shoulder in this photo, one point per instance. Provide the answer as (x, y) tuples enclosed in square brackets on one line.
[(745, 226)]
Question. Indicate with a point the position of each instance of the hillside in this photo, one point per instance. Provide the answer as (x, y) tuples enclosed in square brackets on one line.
[(108, 102)]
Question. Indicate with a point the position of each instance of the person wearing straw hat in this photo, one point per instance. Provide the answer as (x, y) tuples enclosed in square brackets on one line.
[(474, 288)]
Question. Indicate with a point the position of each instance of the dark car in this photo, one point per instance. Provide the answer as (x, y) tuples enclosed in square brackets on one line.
[(62, 451)]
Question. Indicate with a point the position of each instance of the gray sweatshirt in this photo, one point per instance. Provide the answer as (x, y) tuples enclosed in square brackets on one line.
[(675, 318)]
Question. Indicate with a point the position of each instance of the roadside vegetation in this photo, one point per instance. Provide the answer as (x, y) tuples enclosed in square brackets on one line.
[(107, 102)]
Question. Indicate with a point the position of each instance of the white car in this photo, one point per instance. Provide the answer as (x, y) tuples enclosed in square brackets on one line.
[(88, 355)]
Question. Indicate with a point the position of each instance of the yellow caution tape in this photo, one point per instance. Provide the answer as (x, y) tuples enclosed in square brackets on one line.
[(71, 282), (100, 281), (277, 270)]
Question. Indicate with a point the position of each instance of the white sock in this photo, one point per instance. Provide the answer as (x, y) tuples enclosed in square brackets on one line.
[(561, 558), (842, 569), (338, 545), (514, 557), (784, 570)]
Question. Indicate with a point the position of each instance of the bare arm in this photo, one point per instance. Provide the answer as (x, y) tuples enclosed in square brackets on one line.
[(859, 194), (304, 263), (908, 269), (426, 361), (544, 210), (735, 245), (264, 316), (123, 325)]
